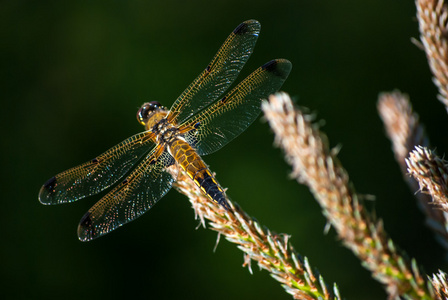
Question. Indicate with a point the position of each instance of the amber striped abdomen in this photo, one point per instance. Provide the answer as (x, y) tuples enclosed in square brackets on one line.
[(194, 166)]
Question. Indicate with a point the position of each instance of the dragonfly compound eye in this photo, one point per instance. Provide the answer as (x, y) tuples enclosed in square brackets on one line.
[(146, 109)]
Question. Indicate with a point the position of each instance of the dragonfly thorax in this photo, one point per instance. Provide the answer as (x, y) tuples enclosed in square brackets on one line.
[(165, 132)]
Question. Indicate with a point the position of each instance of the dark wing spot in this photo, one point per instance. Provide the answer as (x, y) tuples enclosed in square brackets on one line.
[(207, 71), (270, 65), (241, 29), (278, 67), (50, 184), (95, 161)]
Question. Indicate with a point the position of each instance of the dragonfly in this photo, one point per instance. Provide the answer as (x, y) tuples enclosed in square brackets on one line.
[(200, 121)]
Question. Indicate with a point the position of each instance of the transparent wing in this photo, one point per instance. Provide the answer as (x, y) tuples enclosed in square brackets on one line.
[(129, 199), (227, 118), (219, 74), (96, 175)]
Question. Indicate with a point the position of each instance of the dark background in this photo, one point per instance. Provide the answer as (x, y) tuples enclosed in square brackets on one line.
[(73, 77)]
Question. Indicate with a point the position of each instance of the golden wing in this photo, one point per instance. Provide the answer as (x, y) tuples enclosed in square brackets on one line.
[(228, 117), (98, 174), (135, 195), (219, 74)]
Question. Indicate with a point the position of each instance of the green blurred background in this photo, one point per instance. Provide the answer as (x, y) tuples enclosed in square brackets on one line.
[(73, 77)]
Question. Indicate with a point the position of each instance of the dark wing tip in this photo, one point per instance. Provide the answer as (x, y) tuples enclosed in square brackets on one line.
[(86, 229), (47, 191), (279, 67), (248, 27)]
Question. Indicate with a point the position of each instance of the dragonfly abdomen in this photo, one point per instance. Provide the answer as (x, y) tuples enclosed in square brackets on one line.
[(197, 170)]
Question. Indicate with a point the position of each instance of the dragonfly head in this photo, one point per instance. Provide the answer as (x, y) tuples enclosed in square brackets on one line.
[(150, 113)]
